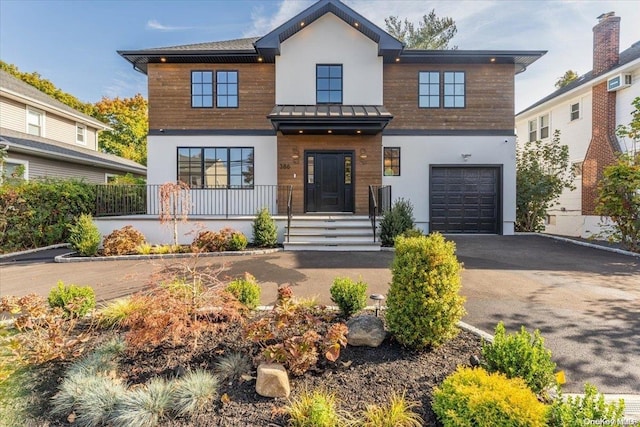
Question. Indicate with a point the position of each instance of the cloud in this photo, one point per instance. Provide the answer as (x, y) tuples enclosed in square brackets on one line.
[(262, 22), (153, 24), (125, 85)]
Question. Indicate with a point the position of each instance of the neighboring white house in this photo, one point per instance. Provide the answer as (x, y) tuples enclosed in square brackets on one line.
[(48, 139), (587, 112)]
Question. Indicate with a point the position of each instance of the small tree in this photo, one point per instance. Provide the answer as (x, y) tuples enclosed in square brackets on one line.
[(568, 77), (175, 204), (431, 33), (542, 173)]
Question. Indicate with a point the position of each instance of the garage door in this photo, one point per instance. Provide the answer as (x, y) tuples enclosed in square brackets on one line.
[(464, 199)]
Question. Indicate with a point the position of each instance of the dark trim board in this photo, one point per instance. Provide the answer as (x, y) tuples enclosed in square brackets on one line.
[(213, 132), (448, 132)]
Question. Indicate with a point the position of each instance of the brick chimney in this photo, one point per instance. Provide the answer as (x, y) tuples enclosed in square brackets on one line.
[(604, 145)]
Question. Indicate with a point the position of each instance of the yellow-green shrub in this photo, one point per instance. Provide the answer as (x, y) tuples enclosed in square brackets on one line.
[(424, 304), (476, 398), (246, 290)]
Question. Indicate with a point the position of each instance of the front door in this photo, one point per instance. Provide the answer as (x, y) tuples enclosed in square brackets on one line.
[(329, 181)]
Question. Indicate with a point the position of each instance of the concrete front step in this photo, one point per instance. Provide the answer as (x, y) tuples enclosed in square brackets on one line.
[(331, 232), (349, 246), (331, 237)]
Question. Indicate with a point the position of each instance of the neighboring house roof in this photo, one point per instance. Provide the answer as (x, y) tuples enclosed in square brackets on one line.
[(333, 118), (44, 147), (265, 49), (626, 56), (15, 88)]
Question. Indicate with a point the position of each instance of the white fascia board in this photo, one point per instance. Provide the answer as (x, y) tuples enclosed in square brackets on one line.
[(50, 108)]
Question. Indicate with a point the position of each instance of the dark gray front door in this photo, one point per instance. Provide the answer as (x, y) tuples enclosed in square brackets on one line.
[(329, 181), (464, 199)]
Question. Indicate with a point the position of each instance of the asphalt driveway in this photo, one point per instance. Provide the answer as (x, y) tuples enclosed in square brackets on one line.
[(585, 301)]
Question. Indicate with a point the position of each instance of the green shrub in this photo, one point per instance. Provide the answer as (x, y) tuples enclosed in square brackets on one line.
[(238, 242), (476, 398), (314, 409), (520, 355), (581, 411), (265, 230), (123, 241), (413, 232), (350, 296), (396, 221), (37, 213), (194, 393), (246, 290), (84, 236), (423, 303), (76, 301), (397, 413)]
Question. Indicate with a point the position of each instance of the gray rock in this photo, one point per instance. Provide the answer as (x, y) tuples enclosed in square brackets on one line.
[(365, 331), (272, 381)]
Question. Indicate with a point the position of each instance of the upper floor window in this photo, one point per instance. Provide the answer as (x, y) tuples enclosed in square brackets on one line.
[(81, 134), (216, 167), (533, 130), (35, 122), (329, 84), (429, 89), (391, 161), (202, 89), (454, 89), (227, 89), (575, 111), (544, 126)]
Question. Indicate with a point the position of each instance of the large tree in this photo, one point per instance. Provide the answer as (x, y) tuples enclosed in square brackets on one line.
[(128, 118), (431, 33), (567, 77)]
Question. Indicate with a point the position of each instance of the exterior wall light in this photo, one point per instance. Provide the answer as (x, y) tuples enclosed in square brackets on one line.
[(465, 156)]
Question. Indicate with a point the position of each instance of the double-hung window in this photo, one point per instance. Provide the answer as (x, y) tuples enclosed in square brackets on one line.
[(329, 84), (81, 134), (227, 89), (216, 167), (544, 126), (35, 122), (533, 130), (575, 111), (454, 89), (429, 89), (202, 89)]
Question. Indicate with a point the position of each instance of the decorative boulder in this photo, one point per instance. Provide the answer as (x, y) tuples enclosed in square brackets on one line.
[(272, 381), (365, 331)]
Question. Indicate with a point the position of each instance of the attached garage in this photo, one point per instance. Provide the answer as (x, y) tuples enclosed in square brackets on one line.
[(465, 199)]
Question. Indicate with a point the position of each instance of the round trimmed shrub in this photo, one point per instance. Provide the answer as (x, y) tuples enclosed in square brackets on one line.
[(424, 304), (350, 296), (123, 241), (265, 230), (76, 301), (238, 242), (246, 290), (84, 236), (476, 398)]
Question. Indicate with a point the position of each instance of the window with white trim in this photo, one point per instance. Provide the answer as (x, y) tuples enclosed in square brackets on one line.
[(35, 122), (544, 126), (14, 169), (533, 130), (575, 111), (81, 134)]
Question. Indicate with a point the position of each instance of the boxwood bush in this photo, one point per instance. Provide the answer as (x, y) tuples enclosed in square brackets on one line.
[(424, 304), (246, 290), (76, 301), (350, 296)]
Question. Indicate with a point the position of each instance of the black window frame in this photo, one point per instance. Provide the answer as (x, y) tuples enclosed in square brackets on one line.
[(429, 85), (203, 95), (201, 176), (330, 91), (444, 89), (391, 161), (217, 89)]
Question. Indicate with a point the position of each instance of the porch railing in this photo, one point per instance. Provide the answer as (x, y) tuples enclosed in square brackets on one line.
[(379, 203), (289, 211), (113, 200)]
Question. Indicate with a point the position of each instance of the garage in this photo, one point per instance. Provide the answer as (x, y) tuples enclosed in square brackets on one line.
[(464, 199)]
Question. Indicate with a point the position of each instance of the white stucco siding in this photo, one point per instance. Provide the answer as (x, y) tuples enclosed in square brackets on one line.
[(624, 98), (329, 40), (417, 153)]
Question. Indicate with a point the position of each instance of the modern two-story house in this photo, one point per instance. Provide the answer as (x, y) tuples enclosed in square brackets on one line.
[(587, 112), (48, 139), (333, 108)]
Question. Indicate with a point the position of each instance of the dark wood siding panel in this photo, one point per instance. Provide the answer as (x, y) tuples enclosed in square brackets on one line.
[(170, 98), (489, 98)]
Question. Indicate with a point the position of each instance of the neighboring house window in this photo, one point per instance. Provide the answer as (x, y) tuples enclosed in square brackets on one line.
[(14, 169), (454, 90), (216, 167), (429, 89), (35, 122), (329, 84), (110, 178), (576, 168), (391, 161), (575, 111), (227, 89), (202, 89), (544, 126), (533, 130), (81, 134)]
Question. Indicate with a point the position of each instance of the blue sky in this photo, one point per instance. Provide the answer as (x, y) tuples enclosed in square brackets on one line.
[(74, 43)]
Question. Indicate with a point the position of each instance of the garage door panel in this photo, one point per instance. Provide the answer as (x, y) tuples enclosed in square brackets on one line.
[(464, 199)]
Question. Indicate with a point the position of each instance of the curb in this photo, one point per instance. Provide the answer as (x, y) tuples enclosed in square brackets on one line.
[(580, 243), (32, 251), (68, 258)]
